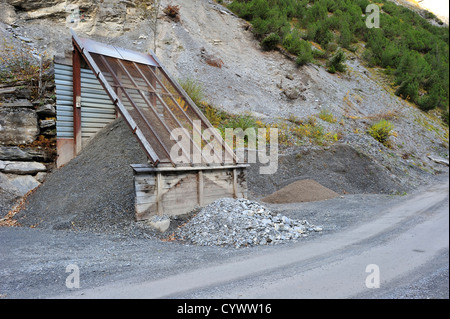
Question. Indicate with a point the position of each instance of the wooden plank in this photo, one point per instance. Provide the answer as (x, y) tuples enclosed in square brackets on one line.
[(180, 191), (144, 168), (149, 199), (144, 188), (145, 180), (200, 185), (159, 180), (235, 186), (182, 199), (144, 212)]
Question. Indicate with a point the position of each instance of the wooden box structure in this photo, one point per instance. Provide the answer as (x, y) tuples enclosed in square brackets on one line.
[(107, 81), (174, 191)]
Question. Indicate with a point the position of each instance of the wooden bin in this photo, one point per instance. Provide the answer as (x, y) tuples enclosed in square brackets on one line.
[(176, 191)]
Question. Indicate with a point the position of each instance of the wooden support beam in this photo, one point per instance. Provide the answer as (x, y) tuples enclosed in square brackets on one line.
[(235, 185), (200, 188), (159, 189)]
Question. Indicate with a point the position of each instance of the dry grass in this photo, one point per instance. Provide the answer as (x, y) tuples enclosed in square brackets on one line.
[(387, 115)]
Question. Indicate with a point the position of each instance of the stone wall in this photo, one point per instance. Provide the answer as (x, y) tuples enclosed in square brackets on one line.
[(27, 136)]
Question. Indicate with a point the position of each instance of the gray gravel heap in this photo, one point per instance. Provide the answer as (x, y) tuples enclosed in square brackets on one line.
[(241, 223)]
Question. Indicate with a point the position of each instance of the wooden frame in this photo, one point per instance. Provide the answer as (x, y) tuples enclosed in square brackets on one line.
[(136, 83), (172, 191)]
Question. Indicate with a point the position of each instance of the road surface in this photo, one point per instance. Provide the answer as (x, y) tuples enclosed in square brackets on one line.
[(403, 251)]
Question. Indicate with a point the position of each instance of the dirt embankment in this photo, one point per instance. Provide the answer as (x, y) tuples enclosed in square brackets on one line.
[(306, 190), (342, 168)]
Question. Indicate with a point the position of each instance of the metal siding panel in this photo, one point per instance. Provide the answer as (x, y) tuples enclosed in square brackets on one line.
[(63, 67), (97, 120), (63, 82), (64, 115), (64, 119), (97, 110)]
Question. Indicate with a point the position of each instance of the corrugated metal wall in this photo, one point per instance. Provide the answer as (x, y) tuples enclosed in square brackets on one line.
[(64, 101), (97, 110)]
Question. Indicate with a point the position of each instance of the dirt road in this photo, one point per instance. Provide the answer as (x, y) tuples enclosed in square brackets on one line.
[(406, 245)]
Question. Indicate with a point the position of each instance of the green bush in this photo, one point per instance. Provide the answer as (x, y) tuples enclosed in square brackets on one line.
[(194, 89), (381, 131), (293, 43), (305, 55), (327, 116), (270, 42), (336, 64), (445, 117), (243, 121), (416, 51)]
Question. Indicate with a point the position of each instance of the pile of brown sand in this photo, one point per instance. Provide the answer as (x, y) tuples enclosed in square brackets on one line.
[(301, 191)]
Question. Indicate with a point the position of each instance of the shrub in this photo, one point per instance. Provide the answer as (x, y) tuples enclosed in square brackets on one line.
[(327, 116), (270, 42), (243, 121), (415, 50), (18, 63), (336, 64), (292, 43), (305, 55), (193, 89), (445, 117), (381, 131)]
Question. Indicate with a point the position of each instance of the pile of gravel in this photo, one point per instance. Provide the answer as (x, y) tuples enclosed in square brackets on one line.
[(241, 223), (94, 191), (301, 191)]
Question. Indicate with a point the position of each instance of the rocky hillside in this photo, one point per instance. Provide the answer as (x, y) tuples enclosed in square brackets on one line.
[(216, 48)]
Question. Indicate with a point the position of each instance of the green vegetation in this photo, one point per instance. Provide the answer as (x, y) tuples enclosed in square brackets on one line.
[(194, 89), (381, 131), (337, 63), (412, 50), (270, 42), (293, 131), (19, 65), (327, 116)]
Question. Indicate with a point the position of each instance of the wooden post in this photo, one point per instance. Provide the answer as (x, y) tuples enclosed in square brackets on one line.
[(235, 186), (76, 77), (200, 188), (153, 83), (118, 91), (159, 185)]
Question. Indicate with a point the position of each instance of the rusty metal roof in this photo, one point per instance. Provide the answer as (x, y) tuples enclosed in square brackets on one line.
[(151, 102)]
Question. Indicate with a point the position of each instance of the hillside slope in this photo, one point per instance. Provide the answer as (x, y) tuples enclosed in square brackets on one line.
[(266, 84)]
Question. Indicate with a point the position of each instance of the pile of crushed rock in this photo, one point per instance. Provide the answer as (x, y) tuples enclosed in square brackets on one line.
[(241, 223)]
